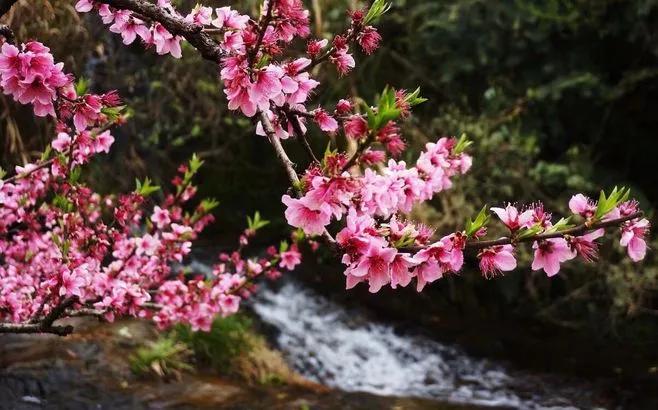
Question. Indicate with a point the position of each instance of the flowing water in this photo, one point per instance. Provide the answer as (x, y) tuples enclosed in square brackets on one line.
[(343, 349)]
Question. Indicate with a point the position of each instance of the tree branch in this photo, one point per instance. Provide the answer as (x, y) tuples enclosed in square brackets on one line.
[(279, 151), (176, 25), (7, 33), (575, 231), (301, 137), (362, 147), (5, 6), (35, 328)]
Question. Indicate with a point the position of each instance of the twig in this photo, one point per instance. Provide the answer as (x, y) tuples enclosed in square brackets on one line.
[(176, 25), (35, 328), (575, 231), (27, 173), (261, 32), (279, 151), (362, 147), (6, 5), (301, 137), (7, 33), (351, 35)]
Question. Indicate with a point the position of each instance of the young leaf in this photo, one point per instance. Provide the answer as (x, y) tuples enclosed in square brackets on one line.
[(81, 86), (462, 144), (145, 188), (481, 220), (378, 8)]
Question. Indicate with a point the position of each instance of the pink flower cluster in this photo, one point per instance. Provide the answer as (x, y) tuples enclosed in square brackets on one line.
[(30, 76), (198, 300), (371, 253), (61, 241), (130, 27), (394, 189)]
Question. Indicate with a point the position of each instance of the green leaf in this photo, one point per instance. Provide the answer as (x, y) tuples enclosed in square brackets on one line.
[(462, 144), (195, 163), (208, 204), (256, 222), (46, 153), (481, 220), (527, 232), (609, 202), (59, 201), (145, 188), (2, 173), (81, 86), (560, 225), (378, 8), (414, 98), (75, 175), (283, 246), (113, 113)]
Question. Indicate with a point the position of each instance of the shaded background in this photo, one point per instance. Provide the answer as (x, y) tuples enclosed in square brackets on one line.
[(559, 97)]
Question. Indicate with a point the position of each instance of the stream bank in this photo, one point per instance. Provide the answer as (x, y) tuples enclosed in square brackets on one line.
[(90, 370)]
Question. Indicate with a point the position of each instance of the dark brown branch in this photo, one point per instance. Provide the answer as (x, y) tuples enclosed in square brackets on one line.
[(261, 32), (35, 328), (301, 137), (46, 324), (357, 154), (27, 173), (6, 5), (279, 151), (7, 33), (176, 25), (575, 231), (351, 36)]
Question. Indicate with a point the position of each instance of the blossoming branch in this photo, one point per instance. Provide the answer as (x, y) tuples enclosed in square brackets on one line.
[(361, 195)]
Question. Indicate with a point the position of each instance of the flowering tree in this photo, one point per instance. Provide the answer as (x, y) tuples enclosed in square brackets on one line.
[(69, 251)]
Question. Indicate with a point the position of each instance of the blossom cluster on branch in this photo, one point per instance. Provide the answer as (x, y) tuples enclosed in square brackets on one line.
[(60, 254), (64, 245)]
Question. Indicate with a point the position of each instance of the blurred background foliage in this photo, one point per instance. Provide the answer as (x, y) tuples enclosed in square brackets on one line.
[(559, 96)]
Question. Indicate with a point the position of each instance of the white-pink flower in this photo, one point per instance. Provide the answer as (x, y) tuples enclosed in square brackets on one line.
[(513, 218), (497, 259), (549, 253), (301, 214), (632, 237)]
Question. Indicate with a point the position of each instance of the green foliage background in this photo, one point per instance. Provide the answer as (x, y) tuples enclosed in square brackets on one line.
[(559, 96)]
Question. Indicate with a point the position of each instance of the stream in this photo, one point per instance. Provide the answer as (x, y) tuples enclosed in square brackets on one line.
[(343, 349)]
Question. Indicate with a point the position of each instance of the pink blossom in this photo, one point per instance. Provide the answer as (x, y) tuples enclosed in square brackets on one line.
[(290, 258), (375, 266), (369, 39), (160, 217), (301, 214), (227, 18), (103, 142), (343, 60), (633, 238), (314, 47), (512, 218), (438, 258), (401, 267), (72, 283), (581, 205), (84, 6), (355, 127), (147, 245), (549, 253), (343, 107), (62, 142), (497, 259), (585, 245), (326, 122)]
